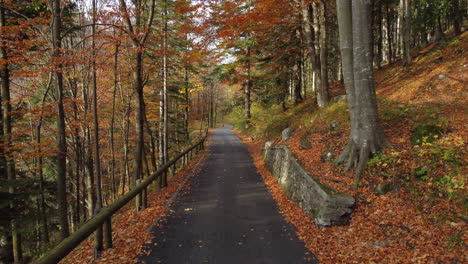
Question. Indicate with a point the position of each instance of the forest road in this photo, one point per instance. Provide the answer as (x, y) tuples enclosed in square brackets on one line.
[(228, 215)]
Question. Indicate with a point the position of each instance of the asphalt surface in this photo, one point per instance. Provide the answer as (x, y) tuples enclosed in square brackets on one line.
[(227, 216)]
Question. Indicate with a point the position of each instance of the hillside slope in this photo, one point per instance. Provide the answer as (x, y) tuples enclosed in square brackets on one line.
[(412, 204)]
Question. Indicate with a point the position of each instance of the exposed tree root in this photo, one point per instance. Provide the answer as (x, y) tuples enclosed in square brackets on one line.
[(354, 156)]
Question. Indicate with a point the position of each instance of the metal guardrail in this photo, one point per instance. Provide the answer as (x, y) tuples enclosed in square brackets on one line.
[(105, 214)]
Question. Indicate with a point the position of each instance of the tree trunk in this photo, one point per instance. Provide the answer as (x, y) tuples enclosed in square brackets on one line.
[(96, 150), (297, 86), (457, 17), (324, 51), (40, 165), (187, 106), (126, 128), (248, 89), (164, 129), (309, 34), (367, 136), (7, 156), (114, 94), (378, 58), (405, 30), (389, 34), (61, 132), (139, 118)]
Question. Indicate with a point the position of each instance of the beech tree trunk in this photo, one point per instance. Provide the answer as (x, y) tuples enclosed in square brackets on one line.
[(405, 30), (458, 19), (138, 34), (309, 34), (248, 89), (186, 106), (96, 151), (389, 33), (164, 102), (40, 172), (378, 57), (7, 156), (61, 132), (114, 94), (323, 52), (367, 137), (297, 84)]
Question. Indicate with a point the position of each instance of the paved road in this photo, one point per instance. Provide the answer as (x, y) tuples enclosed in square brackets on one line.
[(228, 216)]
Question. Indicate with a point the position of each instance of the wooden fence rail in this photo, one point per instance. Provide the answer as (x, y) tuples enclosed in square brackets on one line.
[(105, 214)]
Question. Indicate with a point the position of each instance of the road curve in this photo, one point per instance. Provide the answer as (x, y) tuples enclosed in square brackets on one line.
[(228, 216)]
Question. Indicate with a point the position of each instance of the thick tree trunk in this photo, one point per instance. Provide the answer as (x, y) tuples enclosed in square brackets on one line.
[(366, 134)]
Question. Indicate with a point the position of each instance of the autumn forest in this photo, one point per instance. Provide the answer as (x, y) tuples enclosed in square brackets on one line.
[(106, 101)]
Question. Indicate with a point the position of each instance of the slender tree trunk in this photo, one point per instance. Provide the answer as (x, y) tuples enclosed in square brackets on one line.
[(96, 150), (40, 165), (161, 129), (187, 106), (309, 34), (164, 128), (297, 97), (367, 136), (378, 59), (6, 245), (389, 34), (324, 50), (126, 127), (61, 132), (114, 94), (248, 89), (139, 118), (457, 17), (7, 134), (372, 19), (405, 30)]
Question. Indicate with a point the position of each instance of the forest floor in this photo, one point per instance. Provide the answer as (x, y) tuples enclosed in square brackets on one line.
[(131, 230), (423, 219)]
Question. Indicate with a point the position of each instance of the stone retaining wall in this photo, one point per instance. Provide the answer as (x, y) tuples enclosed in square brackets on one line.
[(323, 204)]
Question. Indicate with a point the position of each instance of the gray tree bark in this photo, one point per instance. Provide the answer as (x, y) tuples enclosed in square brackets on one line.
[(61, 131), (314, 56), (367, 137), (164, 101), (405, 30), (248, 89), (96, 150), (323, 52)]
